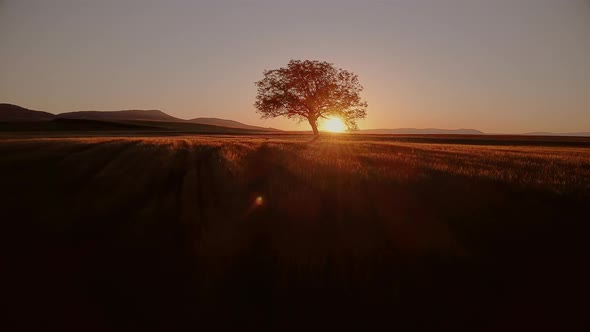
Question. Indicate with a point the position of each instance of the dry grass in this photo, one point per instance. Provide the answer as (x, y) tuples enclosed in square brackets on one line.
[(163, 233)]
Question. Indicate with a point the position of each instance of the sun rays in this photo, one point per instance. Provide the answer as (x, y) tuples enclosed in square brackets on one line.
[(334, 125)]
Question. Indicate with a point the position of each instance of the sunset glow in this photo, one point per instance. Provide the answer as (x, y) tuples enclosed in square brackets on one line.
[(445, 64), (334, 125)]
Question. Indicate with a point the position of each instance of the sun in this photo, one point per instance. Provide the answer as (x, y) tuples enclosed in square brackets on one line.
[(334, 125)]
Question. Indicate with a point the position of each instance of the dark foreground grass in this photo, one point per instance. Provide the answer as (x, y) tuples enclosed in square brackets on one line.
[(349, 233)]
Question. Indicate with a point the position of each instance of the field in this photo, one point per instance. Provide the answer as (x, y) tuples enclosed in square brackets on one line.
[(277, 232), (64, 127)]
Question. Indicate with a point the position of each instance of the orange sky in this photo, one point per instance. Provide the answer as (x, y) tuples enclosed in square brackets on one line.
[(503, 66)]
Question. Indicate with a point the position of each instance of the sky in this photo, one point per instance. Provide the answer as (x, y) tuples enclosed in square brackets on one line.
[(500, 66)]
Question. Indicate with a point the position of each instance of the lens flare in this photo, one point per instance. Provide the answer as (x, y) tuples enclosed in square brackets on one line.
[(259, 201)]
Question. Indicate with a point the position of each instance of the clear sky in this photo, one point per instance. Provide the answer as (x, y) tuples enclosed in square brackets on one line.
[(504, 66)]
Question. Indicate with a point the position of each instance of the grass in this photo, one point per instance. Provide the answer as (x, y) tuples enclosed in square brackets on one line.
[(354, 232)]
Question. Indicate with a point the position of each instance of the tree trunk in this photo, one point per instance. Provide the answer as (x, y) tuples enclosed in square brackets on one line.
[(314, 126)]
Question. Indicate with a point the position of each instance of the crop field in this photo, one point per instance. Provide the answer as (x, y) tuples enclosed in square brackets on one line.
[(277, 232)]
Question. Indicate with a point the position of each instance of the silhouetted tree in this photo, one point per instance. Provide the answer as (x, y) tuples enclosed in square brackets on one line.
[(311, 90)]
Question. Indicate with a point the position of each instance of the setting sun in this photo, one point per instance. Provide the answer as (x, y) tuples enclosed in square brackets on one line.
[(334, 125)]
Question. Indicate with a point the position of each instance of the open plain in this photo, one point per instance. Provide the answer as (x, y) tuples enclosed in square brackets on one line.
[(281, 232)]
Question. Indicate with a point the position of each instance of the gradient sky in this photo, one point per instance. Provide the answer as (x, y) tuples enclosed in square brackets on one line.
[(504, 66)]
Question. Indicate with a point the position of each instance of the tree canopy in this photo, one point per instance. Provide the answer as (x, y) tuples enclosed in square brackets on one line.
[(311, 90)]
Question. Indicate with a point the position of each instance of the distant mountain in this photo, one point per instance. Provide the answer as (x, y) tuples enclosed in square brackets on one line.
[(227, 123), (543, 133), (146, 119), (14, 113), (146, 115), (427, 131)]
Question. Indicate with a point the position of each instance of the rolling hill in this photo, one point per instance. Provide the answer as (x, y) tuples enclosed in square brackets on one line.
[(15, 113), (11, 115), (543, 133), (427, 131), (18, 119), (109, 120), (146, 115), (227, 123)]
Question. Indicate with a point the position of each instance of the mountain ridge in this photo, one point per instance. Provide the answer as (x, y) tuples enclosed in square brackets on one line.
[(150, 115), (423, 131), (546, 133), (227, 123), (16, 113)]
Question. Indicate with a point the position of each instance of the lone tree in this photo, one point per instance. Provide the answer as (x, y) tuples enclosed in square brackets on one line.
[(311, 90)]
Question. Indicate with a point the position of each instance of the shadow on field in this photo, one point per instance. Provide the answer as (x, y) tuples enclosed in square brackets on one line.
[(180, 234)]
